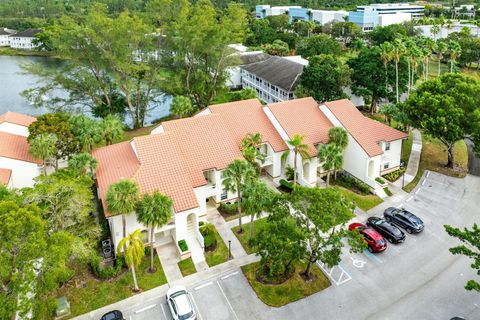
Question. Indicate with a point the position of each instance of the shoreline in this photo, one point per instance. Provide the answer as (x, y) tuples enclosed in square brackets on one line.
[(7, 51)]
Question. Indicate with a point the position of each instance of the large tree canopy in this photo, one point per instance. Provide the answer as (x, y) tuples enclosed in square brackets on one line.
[(324, 78), (320, 44), (447, 108)]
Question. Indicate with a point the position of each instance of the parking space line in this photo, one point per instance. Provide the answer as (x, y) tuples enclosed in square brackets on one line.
[(428, 173), (372, 256), (229, 275), (203, 286), (228, 302), (410, 198), (145, 308), (418, 190), (423, 183), (343, 272), (196, 307), (163, 311)]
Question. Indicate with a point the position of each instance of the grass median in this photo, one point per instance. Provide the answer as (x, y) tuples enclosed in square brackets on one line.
[(187, 267), (244, 237)]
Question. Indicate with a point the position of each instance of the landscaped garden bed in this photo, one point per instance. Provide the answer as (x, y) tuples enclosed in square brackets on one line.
[(187, 267), (364, 202), (228, 210), (289, 289), (216, 251), (244, 237)]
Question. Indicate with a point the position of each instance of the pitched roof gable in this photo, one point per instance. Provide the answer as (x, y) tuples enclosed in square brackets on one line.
[(247, 116), (5, 175), (203, 143), (17, 118), (304, 117), (367, 132), (16, 147)]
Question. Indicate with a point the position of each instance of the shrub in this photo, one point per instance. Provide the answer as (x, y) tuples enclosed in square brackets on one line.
[(106, 272), (208, 233), (182, 244), (289, 173), (379, 180), (286, 186), (387, 191), (347, 181), (228, 208), (393, 176)]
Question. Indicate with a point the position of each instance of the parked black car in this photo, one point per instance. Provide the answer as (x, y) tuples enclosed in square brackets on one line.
[(404, 219), (386, 229), (113, 315)]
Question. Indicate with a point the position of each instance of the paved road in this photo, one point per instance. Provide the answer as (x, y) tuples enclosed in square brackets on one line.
[(473, 160), (418, 279)]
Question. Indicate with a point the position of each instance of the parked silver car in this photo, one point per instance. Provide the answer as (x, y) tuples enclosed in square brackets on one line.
[(180, 303)]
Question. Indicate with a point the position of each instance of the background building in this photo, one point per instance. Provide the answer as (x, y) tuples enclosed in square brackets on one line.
[(24, 39)]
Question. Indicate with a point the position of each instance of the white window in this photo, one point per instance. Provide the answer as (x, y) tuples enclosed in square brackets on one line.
[(387, 146), (386, 165)]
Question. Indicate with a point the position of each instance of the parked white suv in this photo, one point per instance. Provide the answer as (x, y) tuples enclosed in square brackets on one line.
[(180, 303)]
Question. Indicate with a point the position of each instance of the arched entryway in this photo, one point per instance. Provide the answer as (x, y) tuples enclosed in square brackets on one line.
[(191, 223), (370, 169), (306, 170)]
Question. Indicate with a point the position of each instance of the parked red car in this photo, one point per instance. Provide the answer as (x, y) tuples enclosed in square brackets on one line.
[(375, 241)]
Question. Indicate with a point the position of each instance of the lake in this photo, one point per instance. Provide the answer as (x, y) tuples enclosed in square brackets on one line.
[(13, 82)]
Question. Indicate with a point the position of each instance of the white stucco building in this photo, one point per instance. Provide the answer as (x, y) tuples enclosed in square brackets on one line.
[(5, 36), (24, 39), (185, 158), (17, 167)]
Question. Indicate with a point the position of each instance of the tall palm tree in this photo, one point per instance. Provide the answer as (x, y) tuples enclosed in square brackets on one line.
[(235, 176), (454, 49), (299, 148), (257, 198), (111, 129), (122, 198), (429, 46), (133, 252), (338, 136), (43, 147), (398, 50), (386, 55), (441, 49), (250, 149), (154, 211), (83, 163), (435, 29), (415, 55), (327, 154)]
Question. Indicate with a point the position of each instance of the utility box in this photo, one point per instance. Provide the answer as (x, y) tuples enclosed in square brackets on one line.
[(63, 308)]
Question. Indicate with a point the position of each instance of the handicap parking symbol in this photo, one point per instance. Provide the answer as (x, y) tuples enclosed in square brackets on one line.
[(358, 263)]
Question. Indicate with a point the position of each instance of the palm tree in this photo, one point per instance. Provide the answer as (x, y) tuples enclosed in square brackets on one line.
[(454, 49), (429, 46), (441, 49), (435, 29), (83, 163), (122, 198), (386, 55), (111, 129), (414, 56), (257, 197), (154, 211), (133, 252), (299, 148), (327, 154), (250, 149), (235, 176), (44, 147), (338, 136), (398, 50)]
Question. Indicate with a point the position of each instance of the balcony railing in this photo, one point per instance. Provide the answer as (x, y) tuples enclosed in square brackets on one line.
[(268, 161)]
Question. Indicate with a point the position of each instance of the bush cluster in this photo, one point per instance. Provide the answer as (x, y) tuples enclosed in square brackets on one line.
[(229, 208), (286, 186), (182, 244), (106, 272), (208, 233), (379, 180), (347, 181), (393, 176)]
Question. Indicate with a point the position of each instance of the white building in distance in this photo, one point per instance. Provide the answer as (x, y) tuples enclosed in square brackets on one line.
[(24, 39)]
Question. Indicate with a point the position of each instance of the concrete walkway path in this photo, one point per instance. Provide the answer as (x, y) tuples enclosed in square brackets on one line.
[(414, 160), (169, 258), (214, 217)]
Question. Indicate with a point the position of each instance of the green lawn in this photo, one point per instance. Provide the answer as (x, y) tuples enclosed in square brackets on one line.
[(187, 267), (245, 236), (407, 148), (434, 158), (363, 202), (219, 255), (86, 293), (291, 290)]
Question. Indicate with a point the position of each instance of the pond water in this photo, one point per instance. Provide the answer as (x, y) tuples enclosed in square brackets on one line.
[(13, 81)]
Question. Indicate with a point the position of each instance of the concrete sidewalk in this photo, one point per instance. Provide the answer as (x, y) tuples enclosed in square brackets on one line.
[(214, 217), (169, 259), (414, 160)]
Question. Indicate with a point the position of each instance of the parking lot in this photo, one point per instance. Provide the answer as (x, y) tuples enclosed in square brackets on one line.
[(418, 279)]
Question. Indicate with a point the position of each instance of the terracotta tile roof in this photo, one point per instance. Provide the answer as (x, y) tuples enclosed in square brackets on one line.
[(367, 132), (17, 118), (243, 117), (5, 175), (303, 116), (204, 143), (114, 163), (163, 169), (15, 147)]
